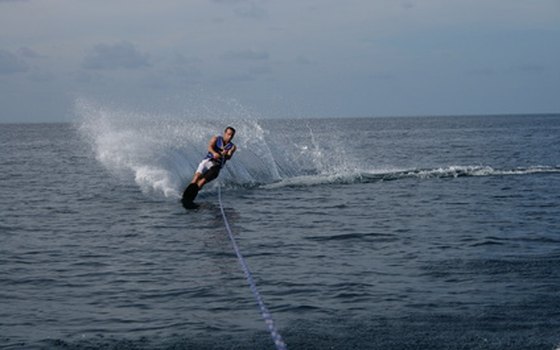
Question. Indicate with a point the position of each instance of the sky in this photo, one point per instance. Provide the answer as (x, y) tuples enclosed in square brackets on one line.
[(280, 59)]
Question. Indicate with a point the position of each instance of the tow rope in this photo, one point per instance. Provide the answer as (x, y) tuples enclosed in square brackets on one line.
[(267, 317)]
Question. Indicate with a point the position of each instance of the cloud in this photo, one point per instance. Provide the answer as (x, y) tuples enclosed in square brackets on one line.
[(530, 68), (248, 55), (28, 52), (10, 63), (123, 55), (407, 5)]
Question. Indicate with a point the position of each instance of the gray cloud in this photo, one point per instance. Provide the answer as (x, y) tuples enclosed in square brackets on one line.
[(10, 63), (29, 53), (407, 5), (530, 68), (123, 55), (249, 55)]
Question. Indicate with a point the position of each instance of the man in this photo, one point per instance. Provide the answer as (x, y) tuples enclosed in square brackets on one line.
[(220, 149)]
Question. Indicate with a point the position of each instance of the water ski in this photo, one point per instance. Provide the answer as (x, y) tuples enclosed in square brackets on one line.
[(189, 195)]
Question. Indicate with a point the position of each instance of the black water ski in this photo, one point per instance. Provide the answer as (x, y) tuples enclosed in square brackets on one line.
[(190, 205), (189, 195)]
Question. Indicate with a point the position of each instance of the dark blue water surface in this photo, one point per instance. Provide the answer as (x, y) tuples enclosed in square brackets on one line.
[(375, 233)]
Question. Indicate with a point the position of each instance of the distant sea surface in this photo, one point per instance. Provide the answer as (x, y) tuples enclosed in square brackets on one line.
[(374, 233)]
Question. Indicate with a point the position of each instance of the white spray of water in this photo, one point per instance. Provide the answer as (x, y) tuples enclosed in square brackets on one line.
[(161, 153)]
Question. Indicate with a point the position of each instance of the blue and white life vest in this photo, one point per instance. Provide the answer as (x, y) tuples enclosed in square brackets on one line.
[(219, 148)]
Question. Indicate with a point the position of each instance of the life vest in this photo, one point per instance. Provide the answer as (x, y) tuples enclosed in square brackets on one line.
[(219, 148)]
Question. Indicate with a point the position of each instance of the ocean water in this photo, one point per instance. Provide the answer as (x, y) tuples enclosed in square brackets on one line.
[(373, 233)]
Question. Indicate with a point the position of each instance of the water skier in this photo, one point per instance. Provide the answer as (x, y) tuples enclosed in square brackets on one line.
[(220, 149)]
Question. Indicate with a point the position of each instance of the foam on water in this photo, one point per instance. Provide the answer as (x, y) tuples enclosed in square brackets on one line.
[(396, 174), (472, 170)]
